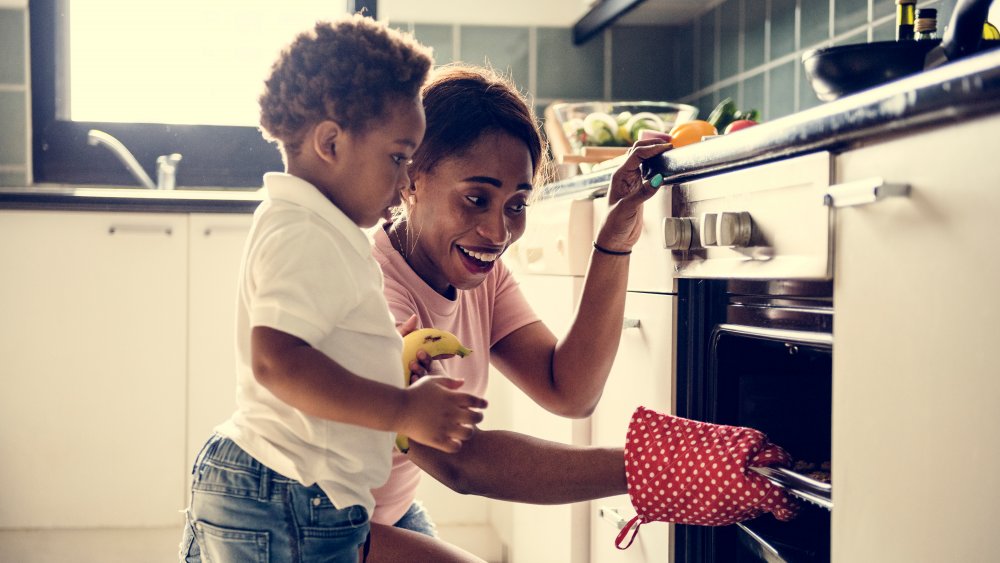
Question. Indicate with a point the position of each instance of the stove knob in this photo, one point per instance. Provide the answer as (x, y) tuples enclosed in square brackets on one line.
[(733, 229), (677, 233), (708, 221)]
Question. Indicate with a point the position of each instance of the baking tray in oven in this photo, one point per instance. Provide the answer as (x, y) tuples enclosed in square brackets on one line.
[(803, 487)]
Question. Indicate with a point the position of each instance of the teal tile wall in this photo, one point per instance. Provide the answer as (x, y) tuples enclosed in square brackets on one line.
[(13, 99), (774, 34), (504, 48), (565, 71)]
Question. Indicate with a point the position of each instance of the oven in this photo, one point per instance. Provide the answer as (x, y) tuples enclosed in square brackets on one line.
[(749, 255)]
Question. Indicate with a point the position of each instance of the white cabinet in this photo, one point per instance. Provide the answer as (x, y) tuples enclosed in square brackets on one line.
[(92, 384), (118, 359), (549, 262), (642, 375), (216, 251), (915, 372)]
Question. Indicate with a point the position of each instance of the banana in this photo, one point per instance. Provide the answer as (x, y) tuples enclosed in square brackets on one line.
[(436, 343)]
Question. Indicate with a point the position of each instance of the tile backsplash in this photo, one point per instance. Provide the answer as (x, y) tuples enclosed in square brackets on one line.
[(749, 50), (745, 49)]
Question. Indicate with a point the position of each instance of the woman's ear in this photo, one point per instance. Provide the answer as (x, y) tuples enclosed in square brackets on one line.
[(325, 136)]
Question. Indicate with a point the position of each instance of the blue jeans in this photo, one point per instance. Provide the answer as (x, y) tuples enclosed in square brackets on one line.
[(243, 512), (417, 520)]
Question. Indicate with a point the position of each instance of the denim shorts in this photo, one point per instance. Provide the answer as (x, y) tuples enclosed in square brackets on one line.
[(243, 512), (417, 520)]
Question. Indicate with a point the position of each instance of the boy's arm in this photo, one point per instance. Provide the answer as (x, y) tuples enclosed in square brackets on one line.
[(310, 381)]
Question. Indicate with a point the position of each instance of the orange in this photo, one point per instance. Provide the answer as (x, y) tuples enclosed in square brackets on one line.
[(691, 132)]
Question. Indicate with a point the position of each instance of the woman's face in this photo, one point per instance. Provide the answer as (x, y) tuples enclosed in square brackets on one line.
[(467, 210)]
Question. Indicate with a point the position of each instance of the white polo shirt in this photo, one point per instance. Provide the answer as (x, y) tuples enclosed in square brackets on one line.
[(308, 271)]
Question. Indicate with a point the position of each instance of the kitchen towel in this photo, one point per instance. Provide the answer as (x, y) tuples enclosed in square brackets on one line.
[(690, 472)]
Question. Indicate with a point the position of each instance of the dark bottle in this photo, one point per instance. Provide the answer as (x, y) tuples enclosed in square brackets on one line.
[(904, 19), (925, 26)]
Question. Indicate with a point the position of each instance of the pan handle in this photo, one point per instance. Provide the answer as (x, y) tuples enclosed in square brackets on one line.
[(965, 30)]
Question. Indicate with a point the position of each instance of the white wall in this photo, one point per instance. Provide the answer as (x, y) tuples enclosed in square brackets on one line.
[(555, 13)]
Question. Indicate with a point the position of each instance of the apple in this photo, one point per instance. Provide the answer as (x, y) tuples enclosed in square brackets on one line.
[(739, 124)]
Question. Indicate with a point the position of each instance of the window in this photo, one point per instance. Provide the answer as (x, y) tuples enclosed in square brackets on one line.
[(177, 76)]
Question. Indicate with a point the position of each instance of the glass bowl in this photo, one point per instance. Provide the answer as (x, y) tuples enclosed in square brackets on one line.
[(582, 125)]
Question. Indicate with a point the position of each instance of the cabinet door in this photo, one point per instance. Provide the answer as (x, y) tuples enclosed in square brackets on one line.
[(92, 337), (915, 376), (216, 252), (533, 532), (642, 375)]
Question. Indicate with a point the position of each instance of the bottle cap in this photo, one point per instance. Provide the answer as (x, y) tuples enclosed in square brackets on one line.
[(927, 13), (924, 24), (902, 2)]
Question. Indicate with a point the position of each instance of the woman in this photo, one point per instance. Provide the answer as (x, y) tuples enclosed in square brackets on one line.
[(472, 179)]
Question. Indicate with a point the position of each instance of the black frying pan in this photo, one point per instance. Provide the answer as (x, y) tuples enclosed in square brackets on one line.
[(846, 69)]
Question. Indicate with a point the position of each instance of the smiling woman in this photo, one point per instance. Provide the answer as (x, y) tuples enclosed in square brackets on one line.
[(162, 77)]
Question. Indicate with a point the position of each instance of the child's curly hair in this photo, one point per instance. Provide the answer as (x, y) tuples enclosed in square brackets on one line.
[(344, 70)]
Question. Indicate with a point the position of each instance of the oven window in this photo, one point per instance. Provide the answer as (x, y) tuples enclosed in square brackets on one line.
[(783, 388)]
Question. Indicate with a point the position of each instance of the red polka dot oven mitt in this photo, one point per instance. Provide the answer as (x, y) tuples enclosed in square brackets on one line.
[(690, 472)]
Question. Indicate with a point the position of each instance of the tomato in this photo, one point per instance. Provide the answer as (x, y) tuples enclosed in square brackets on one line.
[(739, 124), (691, 132)]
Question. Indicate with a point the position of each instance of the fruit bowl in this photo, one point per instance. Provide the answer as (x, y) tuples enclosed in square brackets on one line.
[(605, 129)]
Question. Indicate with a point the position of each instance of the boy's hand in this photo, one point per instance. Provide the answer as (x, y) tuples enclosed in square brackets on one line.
[(438, 416), (422, 366)]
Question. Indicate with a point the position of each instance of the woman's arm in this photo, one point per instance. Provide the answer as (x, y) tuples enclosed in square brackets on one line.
[(567, 377), (514, 467)]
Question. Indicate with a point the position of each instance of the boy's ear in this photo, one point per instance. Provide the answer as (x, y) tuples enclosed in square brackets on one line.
[(325, 137)]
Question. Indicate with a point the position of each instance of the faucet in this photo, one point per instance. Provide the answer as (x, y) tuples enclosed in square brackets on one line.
[(166, 165)]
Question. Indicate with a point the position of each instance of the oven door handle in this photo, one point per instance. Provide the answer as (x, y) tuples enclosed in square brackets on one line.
[(861, 192), (800, 336)]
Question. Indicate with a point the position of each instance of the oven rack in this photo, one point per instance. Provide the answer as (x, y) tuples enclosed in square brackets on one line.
[(799, 485)]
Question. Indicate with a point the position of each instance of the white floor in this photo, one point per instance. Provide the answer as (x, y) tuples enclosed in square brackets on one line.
[(159, 545), (156, 545)]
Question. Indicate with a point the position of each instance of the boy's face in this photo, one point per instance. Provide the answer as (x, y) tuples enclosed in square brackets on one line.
[(467, 211), (376, 161)]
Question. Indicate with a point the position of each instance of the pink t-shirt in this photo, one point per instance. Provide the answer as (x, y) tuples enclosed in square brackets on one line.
[(480, 318)]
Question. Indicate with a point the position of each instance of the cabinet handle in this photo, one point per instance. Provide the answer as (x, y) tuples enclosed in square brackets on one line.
[(613, 516), (209, 231), (630, 323), (141, 229), (862, 192)]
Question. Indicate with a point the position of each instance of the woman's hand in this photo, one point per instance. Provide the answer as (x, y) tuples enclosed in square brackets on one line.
[(628, 191)]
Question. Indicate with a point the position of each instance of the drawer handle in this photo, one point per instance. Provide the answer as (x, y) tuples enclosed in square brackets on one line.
[(140, 229), (613, 516), (630, 323), (209, 231), (863, 192)]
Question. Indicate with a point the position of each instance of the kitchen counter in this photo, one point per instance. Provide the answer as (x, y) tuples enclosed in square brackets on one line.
[(957, 91), (953, 92), (130, 199)]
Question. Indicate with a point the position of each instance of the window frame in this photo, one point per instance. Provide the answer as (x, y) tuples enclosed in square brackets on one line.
[(214, 156)]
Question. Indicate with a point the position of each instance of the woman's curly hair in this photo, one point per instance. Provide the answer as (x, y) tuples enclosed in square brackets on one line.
[(345, 70), (462, 102)]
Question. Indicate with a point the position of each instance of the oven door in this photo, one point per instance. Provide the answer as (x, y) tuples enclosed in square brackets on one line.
[(756, 359)]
